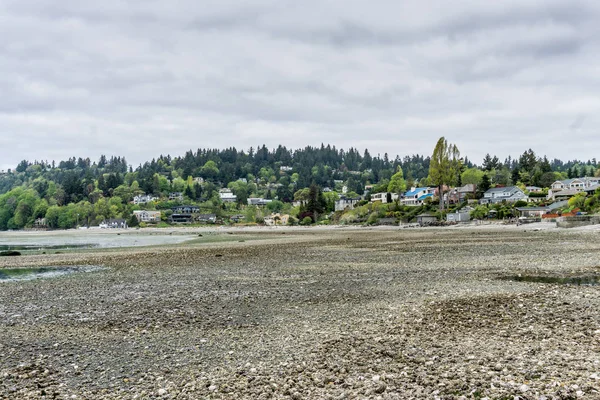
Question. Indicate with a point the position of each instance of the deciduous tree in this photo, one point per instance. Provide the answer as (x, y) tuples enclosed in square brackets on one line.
[(444, 166)]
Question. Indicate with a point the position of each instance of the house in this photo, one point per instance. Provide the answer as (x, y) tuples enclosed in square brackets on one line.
[(533, 189), (567, 188), (452, 196), (227, 196), (416, 196), (298, 203), (185, 209), (532, 212), (460, 194), (276, 219), (575, 183), (592, 189), (508, 194), (426, 219), (147, 216), (258, 201), (346, 203), (198, 180), (285, 168), (466, 192), (143, 199), (383, 197), (207, 218), (237, 218), (176, 196), (113, 223), (564, 194), (463, 215), (40, 223), (181, 218)]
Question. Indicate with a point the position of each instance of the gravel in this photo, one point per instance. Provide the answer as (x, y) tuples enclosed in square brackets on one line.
[(324, 313)]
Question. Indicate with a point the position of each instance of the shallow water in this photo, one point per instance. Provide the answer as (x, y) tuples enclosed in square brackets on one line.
[(26, 274), (85, 240), (4, 247)]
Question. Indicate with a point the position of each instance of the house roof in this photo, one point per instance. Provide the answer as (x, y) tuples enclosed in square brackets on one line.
[(558, 204), (469, 187), (503, 189), (416, 191), (533, 208), (425, 196), (566, 192), (344, 198)]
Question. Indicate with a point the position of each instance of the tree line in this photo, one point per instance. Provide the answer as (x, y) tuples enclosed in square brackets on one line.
[(80, 191)]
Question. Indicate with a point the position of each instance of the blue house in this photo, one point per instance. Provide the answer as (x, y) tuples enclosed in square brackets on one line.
[(416, 196)]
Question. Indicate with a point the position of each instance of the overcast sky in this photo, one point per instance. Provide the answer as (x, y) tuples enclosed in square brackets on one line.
[(141, 78)]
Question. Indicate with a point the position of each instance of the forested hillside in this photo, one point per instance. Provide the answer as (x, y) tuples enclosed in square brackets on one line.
[(80, 191)]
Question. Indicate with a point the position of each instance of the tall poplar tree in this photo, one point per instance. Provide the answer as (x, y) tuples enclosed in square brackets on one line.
[(444, 166)]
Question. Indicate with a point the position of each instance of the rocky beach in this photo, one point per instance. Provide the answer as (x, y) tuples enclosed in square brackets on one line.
[(327, 313)]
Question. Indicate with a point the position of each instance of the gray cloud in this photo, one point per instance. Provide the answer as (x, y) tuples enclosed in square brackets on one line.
[(142, 78)]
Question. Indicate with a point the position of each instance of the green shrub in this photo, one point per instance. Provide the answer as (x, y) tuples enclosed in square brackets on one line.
[(373, 218), (306, 221)]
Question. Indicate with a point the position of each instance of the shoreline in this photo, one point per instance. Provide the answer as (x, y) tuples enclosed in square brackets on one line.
[(182, 229)]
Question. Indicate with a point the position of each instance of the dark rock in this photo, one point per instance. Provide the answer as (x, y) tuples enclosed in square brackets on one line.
[(10, 253)]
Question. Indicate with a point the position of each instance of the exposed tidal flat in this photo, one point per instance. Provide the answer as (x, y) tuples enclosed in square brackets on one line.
[(309, 314)]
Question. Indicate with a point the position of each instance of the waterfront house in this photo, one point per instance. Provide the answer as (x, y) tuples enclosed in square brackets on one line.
[(114, 223), (383, 197), (185, 209), (416, 196), (207, 218), (147, 216), (346, 203), (510, 194)]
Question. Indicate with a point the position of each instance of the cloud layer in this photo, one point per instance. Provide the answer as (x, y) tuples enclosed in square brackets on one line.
[(143, 78)]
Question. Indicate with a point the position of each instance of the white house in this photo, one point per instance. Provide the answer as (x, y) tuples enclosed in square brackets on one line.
[(463, 215), (147, 216), (346, 203), (114, 223), (176, 196), (382, 197), (143, 199), (569, 187), (575, 183), (258, 201), (227, 196)]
